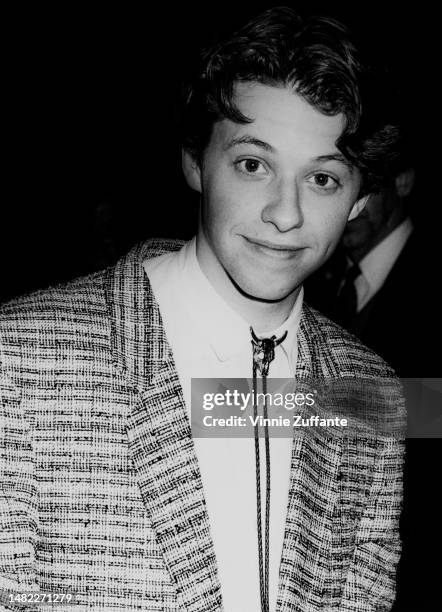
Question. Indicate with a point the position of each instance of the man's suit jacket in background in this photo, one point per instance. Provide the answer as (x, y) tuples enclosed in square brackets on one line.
[(101, 492), (402, 323)]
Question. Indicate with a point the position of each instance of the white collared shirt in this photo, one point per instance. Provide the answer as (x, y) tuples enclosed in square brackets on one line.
[(377, 264), (210, 340)]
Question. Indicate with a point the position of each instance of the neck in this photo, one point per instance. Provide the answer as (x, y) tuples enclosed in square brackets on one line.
[(262, 315)]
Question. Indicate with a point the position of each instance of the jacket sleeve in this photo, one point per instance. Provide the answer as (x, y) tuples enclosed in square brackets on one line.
[(371, 579), (18, 498)]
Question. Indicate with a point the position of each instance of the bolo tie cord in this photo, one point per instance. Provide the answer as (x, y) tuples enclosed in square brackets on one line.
[(263, 355)]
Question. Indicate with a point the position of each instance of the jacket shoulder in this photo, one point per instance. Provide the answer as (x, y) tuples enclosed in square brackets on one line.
[(54, 321), (56, 301)]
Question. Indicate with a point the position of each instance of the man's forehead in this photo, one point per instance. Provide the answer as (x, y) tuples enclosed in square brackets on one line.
[(281, 118)]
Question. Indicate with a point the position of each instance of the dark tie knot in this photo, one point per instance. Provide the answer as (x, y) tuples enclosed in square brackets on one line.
[(347, 299)]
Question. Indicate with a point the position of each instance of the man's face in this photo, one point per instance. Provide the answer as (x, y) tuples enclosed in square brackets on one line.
[(276, 193), (363, 232)]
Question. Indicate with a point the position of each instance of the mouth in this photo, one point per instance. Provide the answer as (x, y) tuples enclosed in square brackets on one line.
[(280, 251)]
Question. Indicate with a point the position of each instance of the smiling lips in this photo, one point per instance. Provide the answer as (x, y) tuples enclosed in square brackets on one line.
[(275, 250)]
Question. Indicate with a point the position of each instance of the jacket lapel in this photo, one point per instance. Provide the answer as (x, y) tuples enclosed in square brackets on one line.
[(313, 491), (159, 433)]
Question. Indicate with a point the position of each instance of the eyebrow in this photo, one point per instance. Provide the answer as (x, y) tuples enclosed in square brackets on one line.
[(250, 140), (338, 157)]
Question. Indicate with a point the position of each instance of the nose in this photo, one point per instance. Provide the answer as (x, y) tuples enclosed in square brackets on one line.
[(283, 208)]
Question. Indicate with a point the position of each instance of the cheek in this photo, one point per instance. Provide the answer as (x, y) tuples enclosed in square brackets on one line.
[(227, 204), (328, 225)]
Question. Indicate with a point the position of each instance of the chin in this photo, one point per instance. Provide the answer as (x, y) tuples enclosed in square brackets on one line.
[(264, 292)]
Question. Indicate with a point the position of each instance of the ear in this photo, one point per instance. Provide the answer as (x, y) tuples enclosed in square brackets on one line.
[(404, 183), (358, 206), (192, 170)]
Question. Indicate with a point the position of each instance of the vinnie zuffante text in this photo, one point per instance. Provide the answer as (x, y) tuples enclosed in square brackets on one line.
[(296, 420)]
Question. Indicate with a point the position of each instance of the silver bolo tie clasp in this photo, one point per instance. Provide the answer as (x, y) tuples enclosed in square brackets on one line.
[(264, 351)]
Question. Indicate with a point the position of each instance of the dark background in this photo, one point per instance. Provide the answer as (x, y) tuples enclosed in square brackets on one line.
[(90, 125), (92, 161)]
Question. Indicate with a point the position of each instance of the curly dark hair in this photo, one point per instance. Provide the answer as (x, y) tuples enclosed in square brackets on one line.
[(315, 57)]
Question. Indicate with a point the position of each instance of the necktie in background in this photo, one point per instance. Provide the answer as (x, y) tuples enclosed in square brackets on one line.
[(347, 300)]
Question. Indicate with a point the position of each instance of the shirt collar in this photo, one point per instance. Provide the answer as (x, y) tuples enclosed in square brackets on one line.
[(225, 330)]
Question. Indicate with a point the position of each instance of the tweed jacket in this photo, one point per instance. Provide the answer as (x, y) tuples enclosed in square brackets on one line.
[(100, 488)]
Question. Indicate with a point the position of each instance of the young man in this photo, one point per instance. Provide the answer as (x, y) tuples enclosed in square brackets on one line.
[(105, 492)]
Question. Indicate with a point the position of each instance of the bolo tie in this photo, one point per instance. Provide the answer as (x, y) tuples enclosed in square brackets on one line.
[(263, 355)]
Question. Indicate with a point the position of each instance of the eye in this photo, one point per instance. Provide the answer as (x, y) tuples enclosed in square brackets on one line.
[(251, 166), (325, 181)]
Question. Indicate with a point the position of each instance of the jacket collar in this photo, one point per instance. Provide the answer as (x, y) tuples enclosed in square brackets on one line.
[(138, 340)]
